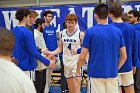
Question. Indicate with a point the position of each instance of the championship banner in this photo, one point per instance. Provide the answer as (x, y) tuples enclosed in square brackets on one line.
[(83, 11)]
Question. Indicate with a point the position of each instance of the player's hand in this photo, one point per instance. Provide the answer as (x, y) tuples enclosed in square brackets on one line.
[(74, 51), (77, 73), (52, 64), (50, 56), (45, 51), (134, 70)]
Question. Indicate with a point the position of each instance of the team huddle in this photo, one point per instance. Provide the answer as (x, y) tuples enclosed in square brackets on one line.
[(113, 50)]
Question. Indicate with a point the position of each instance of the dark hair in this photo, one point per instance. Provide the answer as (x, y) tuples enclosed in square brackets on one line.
[(101, 10), (47, 12), (39, 21), (7, 41), (21, 13), (115, 9), (135, 13)]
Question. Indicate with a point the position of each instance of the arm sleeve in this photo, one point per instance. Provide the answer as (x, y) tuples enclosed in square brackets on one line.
[(86, 41), (79, 50), (39, 50), (30, 43), (122, 43)]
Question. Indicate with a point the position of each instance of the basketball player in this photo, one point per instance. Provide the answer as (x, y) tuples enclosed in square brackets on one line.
[(134, 17), (104, 43), (25, 50), (71, 39), (50, 38), (126, 71)]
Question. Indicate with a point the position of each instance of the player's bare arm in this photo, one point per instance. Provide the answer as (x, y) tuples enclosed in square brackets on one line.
[(59, 49), (123, 57), (81, 59)]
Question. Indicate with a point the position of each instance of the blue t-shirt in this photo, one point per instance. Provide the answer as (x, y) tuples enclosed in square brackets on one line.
[(25, 50), (104, 43), (129, 35), (50, 37), (137, 28)]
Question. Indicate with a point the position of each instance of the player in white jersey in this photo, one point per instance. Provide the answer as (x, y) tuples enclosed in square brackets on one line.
[(70, 44)]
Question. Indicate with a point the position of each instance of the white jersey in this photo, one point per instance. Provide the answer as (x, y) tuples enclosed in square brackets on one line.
[(70, 42), (40, 43), (13, 79)]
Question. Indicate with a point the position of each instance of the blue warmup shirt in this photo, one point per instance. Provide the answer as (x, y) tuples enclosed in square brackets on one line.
[(137, 28), (50, 37), (25, 50), (130, 39), (104, 43)]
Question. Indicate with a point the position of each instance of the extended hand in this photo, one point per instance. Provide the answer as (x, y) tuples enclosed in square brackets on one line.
[(52, 64)]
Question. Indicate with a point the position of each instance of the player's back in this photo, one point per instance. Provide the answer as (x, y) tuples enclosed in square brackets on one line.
[(129, 36), (137, 26), (20, 33), (13, 80), (105, 43), (138, 37)]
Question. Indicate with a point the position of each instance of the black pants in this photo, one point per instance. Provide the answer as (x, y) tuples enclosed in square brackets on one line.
[(40, 80), (137, 81), (63, 79), (123, 90)]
